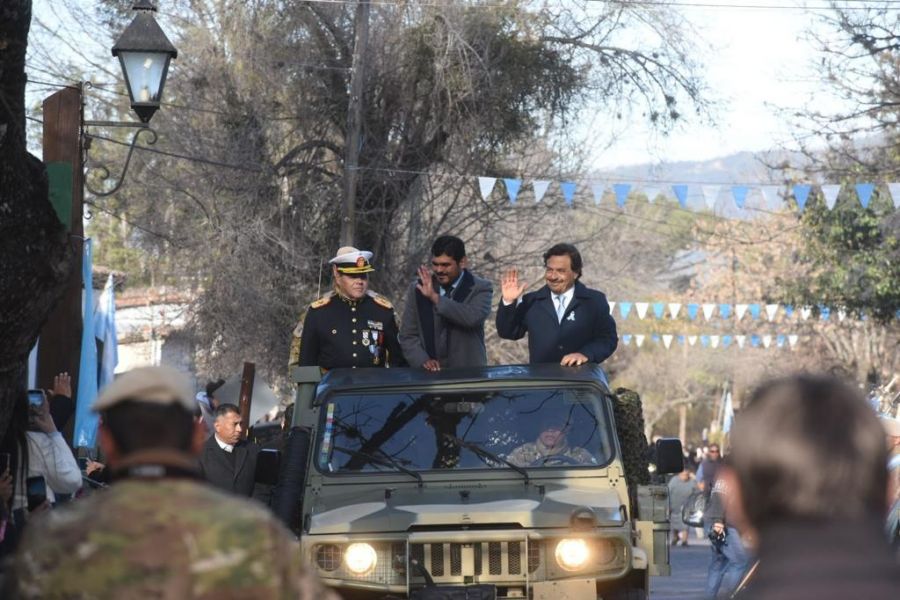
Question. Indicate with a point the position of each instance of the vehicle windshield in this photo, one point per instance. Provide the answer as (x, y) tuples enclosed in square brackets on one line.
[(489, 429)]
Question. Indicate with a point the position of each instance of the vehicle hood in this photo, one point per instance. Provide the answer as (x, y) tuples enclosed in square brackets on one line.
[(459, 506)]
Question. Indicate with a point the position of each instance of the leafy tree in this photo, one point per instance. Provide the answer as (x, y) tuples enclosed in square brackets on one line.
[(850, 256)]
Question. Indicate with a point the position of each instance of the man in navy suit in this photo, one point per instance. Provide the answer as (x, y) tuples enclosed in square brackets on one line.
[(566, 322)]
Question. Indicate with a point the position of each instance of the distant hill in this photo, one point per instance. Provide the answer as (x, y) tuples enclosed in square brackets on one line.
[(748, 168)]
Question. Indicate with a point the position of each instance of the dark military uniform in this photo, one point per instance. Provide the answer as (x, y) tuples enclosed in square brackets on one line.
[(338, 332)]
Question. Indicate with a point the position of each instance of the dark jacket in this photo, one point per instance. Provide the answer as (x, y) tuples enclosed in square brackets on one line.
[(824, 561), (341, 333), (217, 468), (455, 325), (587, 326)]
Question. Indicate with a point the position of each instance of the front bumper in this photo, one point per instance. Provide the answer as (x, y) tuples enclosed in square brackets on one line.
[(515, 562)]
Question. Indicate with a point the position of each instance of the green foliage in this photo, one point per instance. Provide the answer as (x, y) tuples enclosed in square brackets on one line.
[(850, 258)]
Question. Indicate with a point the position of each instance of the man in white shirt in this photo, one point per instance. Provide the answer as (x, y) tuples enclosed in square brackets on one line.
[(566, 322)]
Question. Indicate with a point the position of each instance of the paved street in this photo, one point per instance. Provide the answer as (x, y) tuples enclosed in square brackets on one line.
[(688, 573)]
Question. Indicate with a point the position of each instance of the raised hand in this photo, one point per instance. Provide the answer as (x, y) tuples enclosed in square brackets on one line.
[(510, 288), (62, 385), (426, 285)]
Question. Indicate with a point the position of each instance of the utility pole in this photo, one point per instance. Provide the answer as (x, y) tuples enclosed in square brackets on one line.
[(354, 122), (59, 348)]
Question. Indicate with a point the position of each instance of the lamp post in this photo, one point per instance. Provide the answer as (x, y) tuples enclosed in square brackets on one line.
[(144, 53)]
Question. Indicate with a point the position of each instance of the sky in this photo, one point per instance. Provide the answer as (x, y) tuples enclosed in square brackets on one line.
[(759, 60)]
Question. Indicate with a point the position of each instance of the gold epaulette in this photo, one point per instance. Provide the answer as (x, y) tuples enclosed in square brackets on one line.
[(323, 301), (380, 300)]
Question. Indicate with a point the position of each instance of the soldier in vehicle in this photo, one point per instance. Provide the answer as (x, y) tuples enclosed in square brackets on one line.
[(159, 531), (551, 448), (350, 326)]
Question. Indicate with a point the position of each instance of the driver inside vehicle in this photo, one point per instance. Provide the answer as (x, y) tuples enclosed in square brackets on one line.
[(551, 448)]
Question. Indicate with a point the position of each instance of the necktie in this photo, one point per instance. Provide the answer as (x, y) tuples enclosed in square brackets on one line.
[(560, 307), (448, 289)]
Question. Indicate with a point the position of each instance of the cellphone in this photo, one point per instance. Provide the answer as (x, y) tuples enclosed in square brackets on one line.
[(82, 463), (36, 491), (35, 397)]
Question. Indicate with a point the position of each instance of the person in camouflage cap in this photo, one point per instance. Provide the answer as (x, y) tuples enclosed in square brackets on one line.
[(551, 448), (158, 531)]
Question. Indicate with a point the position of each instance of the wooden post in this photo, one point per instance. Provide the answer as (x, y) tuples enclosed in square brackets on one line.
[(354, 122), (246, 397), (59, 346)]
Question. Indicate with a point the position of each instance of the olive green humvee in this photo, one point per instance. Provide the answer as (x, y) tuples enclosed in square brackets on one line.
[(496, 482)]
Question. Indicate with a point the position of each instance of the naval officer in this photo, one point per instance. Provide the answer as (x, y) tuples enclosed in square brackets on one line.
[(351, 326)]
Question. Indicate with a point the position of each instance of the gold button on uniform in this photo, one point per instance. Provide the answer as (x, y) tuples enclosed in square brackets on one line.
[(354, 342), (334, 332), (354, 354)]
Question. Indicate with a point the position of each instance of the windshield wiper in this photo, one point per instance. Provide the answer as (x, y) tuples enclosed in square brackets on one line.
[(483, 454), (384, 460)]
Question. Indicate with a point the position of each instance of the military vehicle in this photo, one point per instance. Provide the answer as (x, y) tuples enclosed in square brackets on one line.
[(403, 483)]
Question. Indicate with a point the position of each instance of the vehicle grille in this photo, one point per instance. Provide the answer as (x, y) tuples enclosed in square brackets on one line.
[(490, 560)]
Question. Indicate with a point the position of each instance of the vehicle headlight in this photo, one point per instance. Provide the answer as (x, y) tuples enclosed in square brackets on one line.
[(360, 558), (572, 554)]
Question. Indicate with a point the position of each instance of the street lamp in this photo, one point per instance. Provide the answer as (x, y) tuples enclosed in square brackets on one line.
[(145, 52)]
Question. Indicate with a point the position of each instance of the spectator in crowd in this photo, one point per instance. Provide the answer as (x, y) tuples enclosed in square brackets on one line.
[(228, 461), (33, 447), (446, 307), (157, 532), (809, 478), (729, 560), (49, 456), (681, 486), (708, 471)]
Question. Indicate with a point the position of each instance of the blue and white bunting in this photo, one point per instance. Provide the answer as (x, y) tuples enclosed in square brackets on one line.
[(740, 195), (692, 310), (598, 189), (512, 189), (830, 193), (681, 193), (621, 190), (801, 194), (894, 189), (540, 188), (864, 193), (486, 185), (568, 190)]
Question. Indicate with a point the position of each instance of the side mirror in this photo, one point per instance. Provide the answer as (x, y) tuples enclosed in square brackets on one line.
[(268, 462), (669, 456)]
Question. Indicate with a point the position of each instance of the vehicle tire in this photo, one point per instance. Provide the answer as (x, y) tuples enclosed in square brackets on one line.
[(629, 416), (631, 587)]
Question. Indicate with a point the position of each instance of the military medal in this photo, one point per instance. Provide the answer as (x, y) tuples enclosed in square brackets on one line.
[(365, 337)]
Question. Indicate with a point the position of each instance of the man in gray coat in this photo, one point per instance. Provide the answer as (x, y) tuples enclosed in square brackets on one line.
[(443, 323)]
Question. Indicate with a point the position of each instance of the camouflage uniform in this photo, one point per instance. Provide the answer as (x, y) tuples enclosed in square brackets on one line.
[(527, 454), (159, 538)]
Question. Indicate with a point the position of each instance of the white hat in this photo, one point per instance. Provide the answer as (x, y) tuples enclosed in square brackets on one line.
[(151, 385), (352, 261)]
